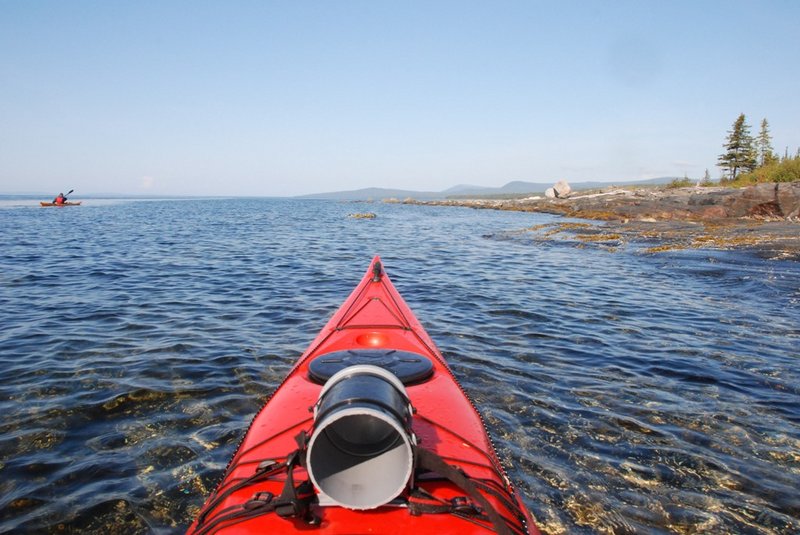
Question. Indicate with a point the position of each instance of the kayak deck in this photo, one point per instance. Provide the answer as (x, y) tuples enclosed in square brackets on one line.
[(373, 326), (43, 203)]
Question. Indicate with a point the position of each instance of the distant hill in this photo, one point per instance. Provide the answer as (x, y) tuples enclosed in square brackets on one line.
[(462, 189), (375, 194), (516, 187)]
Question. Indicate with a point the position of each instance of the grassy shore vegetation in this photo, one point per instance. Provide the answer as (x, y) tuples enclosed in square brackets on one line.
[(785, 170), (684, 182)]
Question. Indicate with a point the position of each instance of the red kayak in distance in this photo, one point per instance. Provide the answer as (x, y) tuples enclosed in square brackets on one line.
[(370, 432), (43, 203)]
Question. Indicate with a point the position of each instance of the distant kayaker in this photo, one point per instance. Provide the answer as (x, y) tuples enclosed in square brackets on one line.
[(60, 199)]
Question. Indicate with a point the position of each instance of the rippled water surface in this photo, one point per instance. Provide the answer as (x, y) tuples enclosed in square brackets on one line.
[(627, 392)]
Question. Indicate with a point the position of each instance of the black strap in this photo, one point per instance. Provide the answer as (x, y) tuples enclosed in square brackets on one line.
[(421, 502), (289, 504), (293, 502), (264, 470), (429, 460)]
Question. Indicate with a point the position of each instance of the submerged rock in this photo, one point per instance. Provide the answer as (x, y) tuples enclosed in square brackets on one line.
[(775, 240)]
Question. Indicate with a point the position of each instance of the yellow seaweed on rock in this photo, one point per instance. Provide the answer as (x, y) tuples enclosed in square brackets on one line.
[(598, 237)]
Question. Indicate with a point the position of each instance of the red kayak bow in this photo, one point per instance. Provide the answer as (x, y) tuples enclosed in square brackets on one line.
[(370, 432)]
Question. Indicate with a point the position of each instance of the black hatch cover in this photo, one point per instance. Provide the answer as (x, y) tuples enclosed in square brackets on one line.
[(408, 367)]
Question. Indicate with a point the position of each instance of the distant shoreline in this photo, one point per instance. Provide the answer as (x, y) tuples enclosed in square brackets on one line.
[(764, 217)]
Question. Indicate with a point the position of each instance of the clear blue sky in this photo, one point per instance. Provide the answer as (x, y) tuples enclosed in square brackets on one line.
[(286, 98)]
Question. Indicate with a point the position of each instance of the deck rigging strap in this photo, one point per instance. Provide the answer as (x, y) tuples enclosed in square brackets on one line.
[(264, 471), (294, 501), (429, 460)]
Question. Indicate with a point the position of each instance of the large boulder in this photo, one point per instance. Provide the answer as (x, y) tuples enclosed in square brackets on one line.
[(768, 200), (550, 193), (562, 189), (788, 199)]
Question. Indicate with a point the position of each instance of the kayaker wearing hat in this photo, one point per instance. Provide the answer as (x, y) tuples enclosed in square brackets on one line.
[(60, 199)]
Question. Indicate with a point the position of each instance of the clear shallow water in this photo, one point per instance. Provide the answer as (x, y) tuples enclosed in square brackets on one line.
[(626, 392)]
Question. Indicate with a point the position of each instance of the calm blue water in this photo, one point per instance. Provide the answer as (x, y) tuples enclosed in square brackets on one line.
[(626, 392)]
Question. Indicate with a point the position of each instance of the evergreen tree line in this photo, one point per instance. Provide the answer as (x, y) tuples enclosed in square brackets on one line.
[(749, 159)]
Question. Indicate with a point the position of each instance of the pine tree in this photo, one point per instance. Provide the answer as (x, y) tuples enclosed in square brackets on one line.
[(766, 154), (740, 153), (706, 180)]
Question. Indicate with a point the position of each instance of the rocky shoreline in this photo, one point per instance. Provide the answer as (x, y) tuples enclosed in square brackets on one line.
[(764, 217)]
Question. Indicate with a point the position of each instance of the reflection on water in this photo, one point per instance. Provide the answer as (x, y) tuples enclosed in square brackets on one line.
[(627, 392)]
